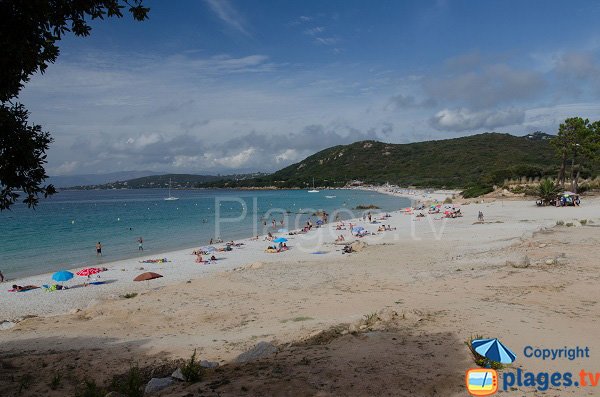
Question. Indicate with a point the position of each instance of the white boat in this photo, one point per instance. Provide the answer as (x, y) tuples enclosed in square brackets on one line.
[(330, 196), (170, 198), (313, 190)]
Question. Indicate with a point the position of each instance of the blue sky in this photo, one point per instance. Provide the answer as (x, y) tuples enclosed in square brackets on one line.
[(227, 86)]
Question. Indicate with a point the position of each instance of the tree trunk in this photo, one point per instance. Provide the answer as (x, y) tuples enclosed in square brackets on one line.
[(561, 173), (576, 182), (572, 169)]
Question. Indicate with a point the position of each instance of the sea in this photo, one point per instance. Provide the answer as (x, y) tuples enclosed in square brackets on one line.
[(62, 231)]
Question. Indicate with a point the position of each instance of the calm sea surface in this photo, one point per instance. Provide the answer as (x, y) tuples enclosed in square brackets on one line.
[(63, 230)]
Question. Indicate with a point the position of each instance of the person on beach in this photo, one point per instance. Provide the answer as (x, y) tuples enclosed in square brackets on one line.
[(98, 249), (480, 216), (140, 244), (1, 277)]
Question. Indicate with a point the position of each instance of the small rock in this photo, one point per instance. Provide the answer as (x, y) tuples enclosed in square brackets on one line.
[(177, 374), (4, 325), (550, 261), (262, 349), (353, 328), (344, 332), (542, 245), (362, 327), (74, 311), (157, 384), (209, 364)]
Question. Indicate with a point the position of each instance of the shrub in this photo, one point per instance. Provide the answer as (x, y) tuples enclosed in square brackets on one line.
[(583, 222), (90, 389), (448, 200), (560, 223), (55, 383), (131, 384), (547, 191), (569, 224), (366, 207), (129, 295), (191, 370), (476, 191)]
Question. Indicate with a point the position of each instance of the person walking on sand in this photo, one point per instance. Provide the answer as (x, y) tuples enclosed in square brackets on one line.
[(140, 244), (480, 216), (1, 277), (98, 249)]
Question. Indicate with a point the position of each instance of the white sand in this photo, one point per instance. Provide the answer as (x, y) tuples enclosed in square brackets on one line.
[(517, 217)]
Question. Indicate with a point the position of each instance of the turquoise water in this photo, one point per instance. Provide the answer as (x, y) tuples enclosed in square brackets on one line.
[(63, 230)]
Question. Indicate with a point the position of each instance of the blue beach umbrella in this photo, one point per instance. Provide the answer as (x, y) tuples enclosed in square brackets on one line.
[(62, 275), (357, 229), (280, 240), (494, 350)]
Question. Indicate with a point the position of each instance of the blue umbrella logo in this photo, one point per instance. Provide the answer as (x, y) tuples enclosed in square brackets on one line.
[(493, 350)]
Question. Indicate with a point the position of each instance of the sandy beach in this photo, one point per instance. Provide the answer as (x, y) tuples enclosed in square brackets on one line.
[(332, 316)]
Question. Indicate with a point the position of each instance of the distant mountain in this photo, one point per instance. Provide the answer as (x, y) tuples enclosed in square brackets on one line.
[(482, 159), (63, 181), (178, 181)]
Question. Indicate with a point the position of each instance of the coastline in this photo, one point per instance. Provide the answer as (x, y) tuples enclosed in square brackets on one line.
[(426, 279), (182, 267)]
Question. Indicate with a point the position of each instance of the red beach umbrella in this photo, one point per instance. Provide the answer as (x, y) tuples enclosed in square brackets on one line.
[(88, 271)]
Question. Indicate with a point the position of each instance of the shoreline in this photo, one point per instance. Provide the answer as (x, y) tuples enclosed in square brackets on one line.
[(118, 269), (182, 266), (155, 245), (428, 279)]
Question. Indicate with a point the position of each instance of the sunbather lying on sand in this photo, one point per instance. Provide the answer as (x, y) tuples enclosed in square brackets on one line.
[(18, 288)]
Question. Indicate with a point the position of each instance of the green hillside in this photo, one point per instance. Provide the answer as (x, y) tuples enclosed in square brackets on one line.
[(479, 159), (178, 181)]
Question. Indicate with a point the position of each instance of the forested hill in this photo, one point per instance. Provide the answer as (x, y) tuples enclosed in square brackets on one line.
[(478, 159)]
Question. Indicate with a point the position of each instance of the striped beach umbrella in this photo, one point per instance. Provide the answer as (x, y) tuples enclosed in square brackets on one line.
[(494, 350)]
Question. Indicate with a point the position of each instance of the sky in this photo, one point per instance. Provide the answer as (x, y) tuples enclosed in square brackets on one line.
[(233, 86)]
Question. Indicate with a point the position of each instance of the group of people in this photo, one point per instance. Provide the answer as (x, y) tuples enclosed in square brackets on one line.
[(384, 228), (277, 248)]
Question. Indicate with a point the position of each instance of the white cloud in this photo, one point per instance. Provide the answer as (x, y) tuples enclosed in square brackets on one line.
[(314, 31), (228, 14), (462, 119), (327, 40)]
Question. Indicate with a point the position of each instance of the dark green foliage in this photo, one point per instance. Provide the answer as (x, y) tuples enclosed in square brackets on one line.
[(486, 159), (191, 370), (548, 191), (22, 157), (476, 191), (578, 146), (29, 33), (132, 384), (55, 382), (32, 28)]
